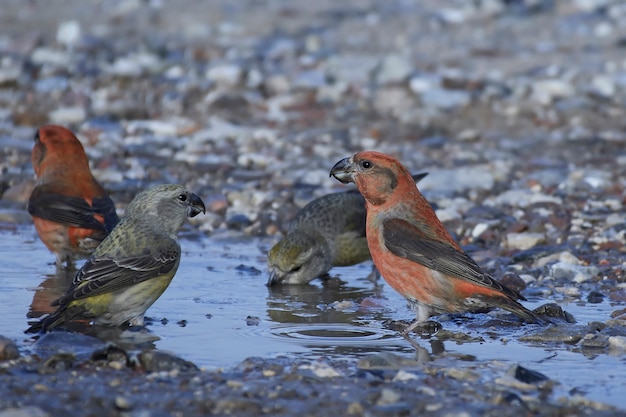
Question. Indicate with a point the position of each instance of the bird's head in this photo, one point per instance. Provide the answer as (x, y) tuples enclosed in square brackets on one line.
[(170, 204), (57, 148), (298, 259), (376, 175)]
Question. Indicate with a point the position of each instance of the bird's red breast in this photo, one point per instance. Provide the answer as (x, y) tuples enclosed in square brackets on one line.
[(70, 210)]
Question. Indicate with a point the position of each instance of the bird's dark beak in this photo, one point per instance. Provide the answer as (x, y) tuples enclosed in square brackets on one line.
[(343, 171), (273, 279), (196, 206)]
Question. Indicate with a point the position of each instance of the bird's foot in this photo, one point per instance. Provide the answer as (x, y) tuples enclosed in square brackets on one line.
[(424, 328), (374, 276)]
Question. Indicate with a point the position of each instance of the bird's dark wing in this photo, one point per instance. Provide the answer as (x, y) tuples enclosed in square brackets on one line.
[(101, 275), (73, 211), (105, 207), (406, 240)]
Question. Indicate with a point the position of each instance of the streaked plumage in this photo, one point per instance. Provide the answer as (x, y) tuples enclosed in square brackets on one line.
[(133, 266), (412, 249)]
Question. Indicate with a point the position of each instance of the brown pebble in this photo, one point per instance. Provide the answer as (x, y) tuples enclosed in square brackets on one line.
[(8, 349), (513, 281)]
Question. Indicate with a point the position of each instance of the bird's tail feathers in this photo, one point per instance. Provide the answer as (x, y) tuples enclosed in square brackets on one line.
[(52, 320), (516, 308)]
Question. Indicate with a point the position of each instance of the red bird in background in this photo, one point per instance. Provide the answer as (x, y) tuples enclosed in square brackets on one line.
[(412, 249), (71, 211)]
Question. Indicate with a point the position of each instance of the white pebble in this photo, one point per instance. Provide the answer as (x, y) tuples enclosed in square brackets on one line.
[(617, 342), (576, 273), (404, 376), (479, 229), (523, 241), (226, 75), (69, 33), (388, 396), (67, 115)]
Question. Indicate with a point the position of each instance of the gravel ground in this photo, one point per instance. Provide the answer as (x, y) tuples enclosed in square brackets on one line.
[(514, 107)]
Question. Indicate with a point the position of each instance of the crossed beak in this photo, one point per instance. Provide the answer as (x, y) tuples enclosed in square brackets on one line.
[(273, 279), (196, 206), (343, 171)]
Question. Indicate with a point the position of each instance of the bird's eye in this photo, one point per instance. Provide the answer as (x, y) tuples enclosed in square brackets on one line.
[(366, 164), (296, 269), (37, 136), (182, 197)]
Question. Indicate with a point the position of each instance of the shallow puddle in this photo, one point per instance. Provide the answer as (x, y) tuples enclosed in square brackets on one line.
[(218, 312)]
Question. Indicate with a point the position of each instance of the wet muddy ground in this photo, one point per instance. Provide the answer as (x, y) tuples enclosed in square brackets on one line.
[(515, 108)]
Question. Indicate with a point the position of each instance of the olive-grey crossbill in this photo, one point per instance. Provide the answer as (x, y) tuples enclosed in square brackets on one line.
[(133, 266), (327, 232)]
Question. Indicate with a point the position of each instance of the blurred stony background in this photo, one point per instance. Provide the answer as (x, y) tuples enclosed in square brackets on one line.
[(515, 107)]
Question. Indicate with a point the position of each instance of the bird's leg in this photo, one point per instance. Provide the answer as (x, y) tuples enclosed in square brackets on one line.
[(423, 314), (374, 276), (426, 327), (408, 329)]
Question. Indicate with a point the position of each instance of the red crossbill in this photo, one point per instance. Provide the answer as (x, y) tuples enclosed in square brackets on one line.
[(133, 266), (413, 250), (329, 231), (71, 211)]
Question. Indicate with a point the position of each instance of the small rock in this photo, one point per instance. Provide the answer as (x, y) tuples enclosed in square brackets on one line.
[(595, 297), (522, 198), (573, 292), (386, 360), (67, 115), (394, 69), (555, 311), (8, 349), (388, 396), (479, 177), (225, 75), (404, 376), (69, 33), (445, 99), (479, 229), (321, 370), (595, 341), (10, 74), (355, 69), (248, 270), (511, 382), (617, 343), (344, 305), (560, 256), (576, 273), (523, 241), (332, 92), (603, 86), (123, 403), (238, 222), (48, 56), (158, 360), (513, 281), (28, 411), (461, 374), (545, 92), (354, 408), (526, 375)]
